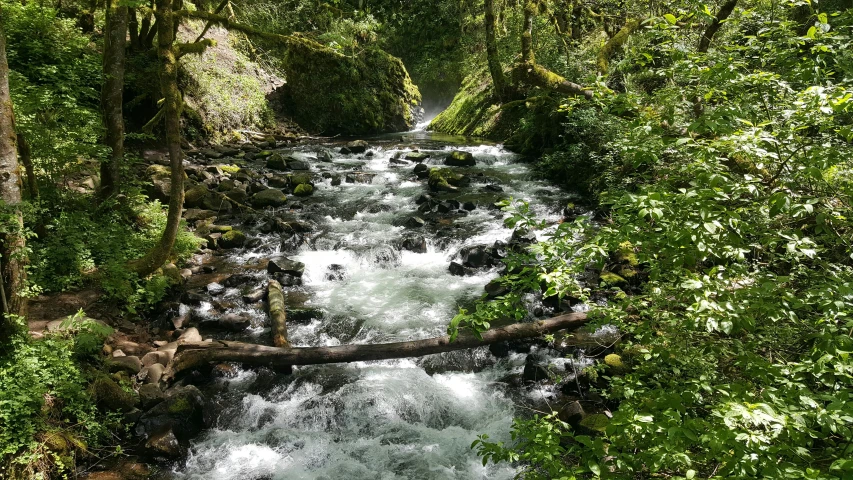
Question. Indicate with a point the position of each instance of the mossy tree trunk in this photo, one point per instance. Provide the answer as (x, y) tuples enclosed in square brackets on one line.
[(615, 43), (172, 104), (495, 68), (112, 95), (12, 244)]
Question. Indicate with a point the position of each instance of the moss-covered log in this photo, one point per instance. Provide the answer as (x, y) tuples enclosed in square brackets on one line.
[(615, 43)]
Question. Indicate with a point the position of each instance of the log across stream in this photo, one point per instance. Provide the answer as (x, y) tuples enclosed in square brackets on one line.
[(375, 297)]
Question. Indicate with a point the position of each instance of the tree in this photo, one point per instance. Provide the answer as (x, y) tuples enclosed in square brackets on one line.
[(12, 243), (495, 68), (112, 94)]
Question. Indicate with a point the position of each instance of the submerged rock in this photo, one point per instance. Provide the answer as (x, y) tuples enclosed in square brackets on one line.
[(282, 264), (459, 158), (357, 146)]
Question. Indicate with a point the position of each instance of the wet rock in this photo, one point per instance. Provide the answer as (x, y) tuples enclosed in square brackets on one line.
[(269, 198), (469, 206), (475, 256), (276, 161), (214, 289), (217, 203), (345, 151), (522, 237), (417, 157), (152, 374), (571, 413), (415, 222), (194, 214), (324, 156), (182, 410), (397, 161), (534, 372), (238, 280), (232, 239), (213, 240), (192, 298), (357, 146), (194, 196), (254, 296), (164, 443), (238, 195), (156, 356), (227, 185), (446, 180), (189, 336), (211, 154), (492, 188), (496, 288), (460, 270), (295, 164), (415, 244), (459, 158), (336, 180), (303, 190), (384, 256), (421, 170), (234, 322), (359, 177), (423, 198), (108, 395), (335, 273), (426, 207), (282, 264)]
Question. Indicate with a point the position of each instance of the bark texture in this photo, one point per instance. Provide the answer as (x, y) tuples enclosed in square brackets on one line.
[(278, 316), (615, 43), (12, 274), (714, 27), (495, 69), (112, 97), (172, 104), (25, 158), (194, 355)]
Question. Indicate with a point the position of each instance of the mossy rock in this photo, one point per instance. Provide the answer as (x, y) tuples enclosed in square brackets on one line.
[(328, 92), (195, 195), (446, 180), (303, 190), (626, 254), (277, 161), (232, 169), (597, 422), (270, 197), (458, 158), (232, 239), (612, 279), (109, 395), (614, 361), (299, 179)]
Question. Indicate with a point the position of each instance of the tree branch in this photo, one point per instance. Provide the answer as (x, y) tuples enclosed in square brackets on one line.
[(722, 15)]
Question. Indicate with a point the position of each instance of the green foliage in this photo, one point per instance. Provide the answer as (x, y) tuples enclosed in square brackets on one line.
[(736, 357), (47, 416)]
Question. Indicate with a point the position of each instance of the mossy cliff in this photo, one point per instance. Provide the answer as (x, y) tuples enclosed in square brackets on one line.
[(331, 93)]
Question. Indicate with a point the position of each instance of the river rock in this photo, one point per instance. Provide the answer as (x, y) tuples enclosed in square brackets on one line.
[(276, 162), (324, 156), (421, 170), (130, 364), (417, 157), (190, 335), (194, 214), (156, 356), (182, 410), (533, 372), (522, 237), (496, 288), (194, 196), (287, 280), (238, 280), (214, 289), (459, 158), (217, 203), (164, 443), (269, 198), (335, 273), (415, 244), (415, 222), (153, 374), (476, 256), (234, 322), (150, 395), (303, 190), (282, 264), (254, 296), (460, 270), (232, 239), (357, 146), (108, 395), (278, 181), (295, 164), (238, 195)]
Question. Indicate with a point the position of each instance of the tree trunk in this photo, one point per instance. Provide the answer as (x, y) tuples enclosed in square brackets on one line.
[(12, 246), (498, 78), (530, 10), (26, 159), (615, 43), (112, 95), (194, 355), (172, 104), (722, 15), (133, 28)]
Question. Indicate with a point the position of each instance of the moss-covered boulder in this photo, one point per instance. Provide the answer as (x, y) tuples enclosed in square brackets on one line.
[(110, 396), (232, 239), (458, 158), (299, 179), (329, 92), (446, 180), (270, 197), (303, 190), (160, 184), (194, 196)]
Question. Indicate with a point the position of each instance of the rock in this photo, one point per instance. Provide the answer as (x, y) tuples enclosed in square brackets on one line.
[(156, 356), (358, 146), (287, 280), (234, 322), (445, 180), (217, 203), (282, 264), (150, 395), (612, 279), (303, 190), (417, 157), (182, 410), (214, 289), (335, 273), (492, 188), (211, 153), (109, 396), (192, 298), (359, 177), (614, 361), (254, 296), (232, 239), (227, 185), (459, 158), (421, 170), (269, 198), (295, 164), (278, 181), (130, 364), (194, 196), (522, 237), (470, 206), (276, 162), (415, 244), (423, 198), (459, 270), (534, 372), (170, 271), (194, 214), (571, 413), (475, 256), (336, 180), (415, 222), (189, 336), (164, 443), (345, 151), (238, 280), (213, 240), (324, 156), (152, 374), (186, 273), (496, 288)]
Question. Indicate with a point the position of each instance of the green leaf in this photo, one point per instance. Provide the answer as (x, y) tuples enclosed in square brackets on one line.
[(811, 32), (670, 18), (594, 468)]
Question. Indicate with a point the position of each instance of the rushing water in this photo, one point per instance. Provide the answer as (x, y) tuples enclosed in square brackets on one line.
[(400, 419)]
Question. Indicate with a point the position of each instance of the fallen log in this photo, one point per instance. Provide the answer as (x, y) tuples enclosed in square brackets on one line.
[(278, 316), (197, 354)]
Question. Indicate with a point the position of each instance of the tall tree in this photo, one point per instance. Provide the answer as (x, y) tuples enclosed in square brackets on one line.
[(495, 68), (172, 103), (112, 94), (12, 274), (722, 15)]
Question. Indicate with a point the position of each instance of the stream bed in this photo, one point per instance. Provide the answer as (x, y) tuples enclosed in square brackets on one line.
[(370, 276)]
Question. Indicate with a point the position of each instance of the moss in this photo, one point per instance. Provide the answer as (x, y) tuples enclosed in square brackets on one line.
[(445, 179), (626, 254), (332, 93), (596, 422), (232, 239), (303, 190), (612, 279), (109, 395), (232, 169), (180, 406), (299, 179), (615, 361)]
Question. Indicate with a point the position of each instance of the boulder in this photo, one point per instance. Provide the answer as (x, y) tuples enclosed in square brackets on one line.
[(324, 156), (295, 164), (234, 322), (109, 396), (496, 288), (217, 203), (415, 222), (269, 198), (130, 364), (194, 214), (357, 146), (195, 195), (182, 411), (417, 157), (414, 244), (476, 256), (152, 374), (150, 395), (238, 195), (282, 264), (303, 190), (276, 161), (459, 270), (215, 289), (446, 180), (254, 296), (232, 239), (164, 443), (161, 183), (459, 158)]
